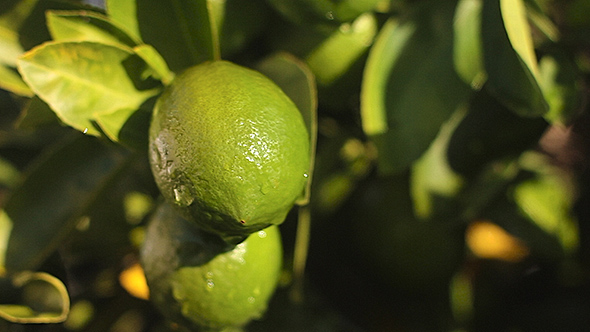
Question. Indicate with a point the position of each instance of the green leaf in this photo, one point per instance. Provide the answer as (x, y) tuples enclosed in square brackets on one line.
[(509, 58), (560, 81), (80, 25), (54, 195), (10, 23), (156, 62), (407, 92), (35, 115), (124, 12), (11, 81), (183, 31), (298, 82), (44, 299), (547, 200), (81, 80), (434, 184), (490, 132), (349, 42), (382, 58), (34, 28), (467, 47)]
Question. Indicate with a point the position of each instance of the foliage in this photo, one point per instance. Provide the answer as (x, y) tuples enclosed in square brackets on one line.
[(449, 142)]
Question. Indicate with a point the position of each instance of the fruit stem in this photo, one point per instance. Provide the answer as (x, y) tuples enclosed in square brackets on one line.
[(300, 253)]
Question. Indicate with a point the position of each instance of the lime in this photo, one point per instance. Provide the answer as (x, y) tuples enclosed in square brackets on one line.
[(196, 279), (229, 149)]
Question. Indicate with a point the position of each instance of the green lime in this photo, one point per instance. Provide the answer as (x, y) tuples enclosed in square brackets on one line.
[(229, 149), (196, 279)]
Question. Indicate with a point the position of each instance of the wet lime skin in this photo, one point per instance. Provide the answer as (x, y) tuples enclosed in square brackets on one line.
[(199, 281), (229, 149)]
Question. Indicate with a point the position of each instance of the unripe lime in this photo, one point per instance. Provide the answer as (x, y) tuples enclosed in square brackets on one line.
[(229, 149), (196, 279)]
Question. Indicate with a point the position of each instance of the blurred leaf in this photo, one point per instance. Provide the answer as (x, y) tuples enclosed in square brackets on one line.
[(408, 93), (242, 21), (434, 185), (9, 176), (156, 62), (561, 84), (124, 12), (509, 58), (542, 21), (82, 80), (507, 214), (383, 55), (54, 195), (11, 19), (490, 183), (350, 41), (490, 132), (181, 30), (87, 26), (34, 28), (35, 115), (44, 299), (5, 229), (468, 45), (297, 81), (322, 12), (547, 199), (11, 81)]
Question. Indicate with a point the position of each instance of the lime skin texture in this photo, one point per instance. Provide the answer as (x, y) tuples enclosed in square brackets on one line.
[(229, 149), (201, 282)]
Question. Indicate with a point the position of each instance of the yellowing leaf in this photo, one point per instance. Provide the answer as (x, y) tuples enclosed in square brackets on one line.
[(81, 79)]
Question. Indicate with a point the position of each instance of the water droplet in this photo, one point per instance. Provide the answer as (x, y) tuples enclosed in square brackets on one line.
[(209, 275), (210, 283), (305, 175), (85, 130), (183, 196), (251, 299), (262, 234), (330, 15)]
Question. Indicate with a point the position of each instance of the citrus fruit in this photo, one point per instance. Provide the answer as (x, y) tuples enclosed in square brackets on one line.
[(229, 149), (198, 280)]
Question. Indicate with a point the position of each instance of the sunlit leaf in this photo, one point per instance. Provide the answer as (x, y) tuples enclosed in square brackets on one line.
[(509, 58), (156, 62), (44, 299), (124, 12), (297, 81), (434, 184), (468, 57), (10, 80), (561, 84), (10, 22), (547, 199), (87, 26), (54, 195), (350, 41), (408, 92), (80, 80), (34, 29)]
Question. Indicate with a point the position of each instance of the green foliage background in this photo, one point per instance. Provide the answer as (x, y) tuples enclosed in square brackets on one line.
[(426, 117)]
